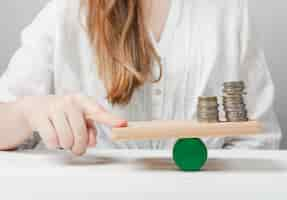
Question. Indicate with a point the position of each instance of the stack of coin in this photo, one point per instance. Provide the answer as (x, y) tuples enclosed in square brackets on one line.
[(207, 109), (233, 101)]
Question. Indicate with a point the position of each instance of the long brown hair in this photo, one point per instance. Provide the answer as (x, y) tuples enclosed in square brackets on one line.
[(124, 52)]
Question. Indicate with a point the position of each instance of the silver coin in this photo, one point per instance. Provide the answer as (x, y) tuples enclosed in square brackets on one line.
[(201, 110), (208, 121), (207, 114), (207, 98), (243, 111), (234, 106), (234, 98), (234, 84), (208, 106), (208, 117), (237, 120)]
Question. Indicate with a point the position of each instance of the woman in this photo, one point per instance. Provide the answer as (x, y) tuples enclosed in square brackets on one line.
[(85, 66)]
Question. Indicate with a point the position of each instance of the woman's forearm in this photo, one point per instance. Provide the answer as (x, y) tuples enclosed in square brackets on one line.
[(14, 129)]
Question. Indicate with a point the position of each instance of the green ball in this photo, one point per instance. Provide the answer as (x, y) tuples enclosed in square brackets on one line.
[(189, 154)]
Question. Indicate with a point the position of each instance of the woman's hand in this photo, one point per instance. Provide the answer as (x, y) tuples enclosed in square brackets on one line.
[(66, 121)]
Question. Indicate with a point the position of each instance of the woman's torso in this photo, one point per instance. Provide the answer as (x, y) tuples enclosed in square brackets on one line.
[(195, 55)]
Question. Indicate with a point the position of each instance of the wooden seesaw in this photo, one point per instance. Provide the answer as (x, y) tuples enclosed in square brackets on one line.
[(189, 152)]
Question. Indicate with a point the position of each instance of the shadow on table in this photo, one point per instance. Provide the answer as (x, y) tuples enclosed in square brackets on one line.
[(226, 165), (66, 158), (244, 165), (90, 160), (160, 164)]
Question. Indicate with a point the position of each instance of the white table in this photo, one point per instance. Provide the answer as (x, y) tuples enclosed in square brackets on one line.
[(151, 174)]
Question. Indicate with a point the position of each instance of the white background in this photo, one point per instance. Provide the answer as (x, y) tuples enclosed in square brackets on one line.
[(270, 18)]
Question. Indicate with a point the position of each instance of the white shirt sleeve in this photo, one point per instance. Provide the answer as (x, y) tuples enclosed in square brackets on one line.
[(260, 90), (30, 71)]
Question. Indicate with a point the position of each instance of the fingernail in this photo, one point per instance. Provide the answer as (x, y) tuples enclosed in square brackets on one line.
[(121, 123)]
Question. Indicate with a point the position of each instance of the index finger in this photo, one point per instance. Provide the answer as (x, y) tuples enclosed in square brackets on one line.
[(96, 113)]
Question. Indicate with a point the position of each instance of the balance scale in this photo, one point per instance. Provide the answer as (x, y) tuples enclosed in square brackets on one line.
[(189, 152)]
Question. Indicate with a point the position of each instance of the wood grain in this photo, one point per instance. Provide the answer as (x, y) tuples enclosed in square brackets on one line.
[(183, 129)]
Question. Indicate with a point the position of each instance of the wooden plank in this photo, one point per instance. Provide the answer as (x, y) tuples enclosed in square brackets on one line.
[(184, 129)]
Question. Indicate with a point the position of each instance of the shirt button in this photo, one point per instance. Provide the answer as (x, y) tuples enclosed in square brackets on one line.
[(158, 92)]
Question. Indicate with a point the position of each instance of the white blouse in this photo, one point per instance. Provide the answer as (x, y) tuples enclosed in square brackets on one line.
[(204, 44)]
